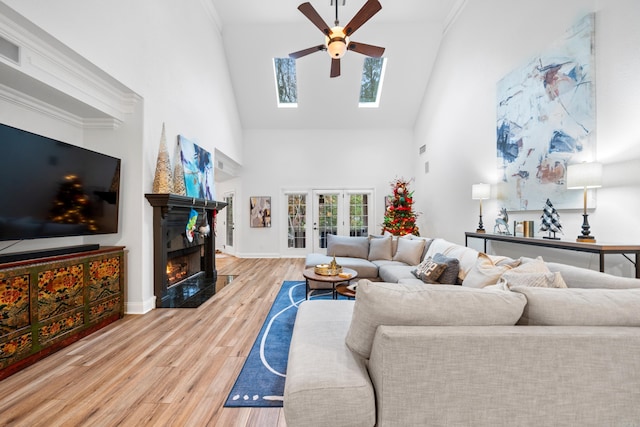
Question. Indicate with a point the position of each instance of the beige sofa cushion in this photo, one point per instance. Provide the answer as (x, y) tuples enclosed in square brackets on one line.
[(409, 251), (397, 304), (580, 307), (347, 246), (326, 383), (380, 248)]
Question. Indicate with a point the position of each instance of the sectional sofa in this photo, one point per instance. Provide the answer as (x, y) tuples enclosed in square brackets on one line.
[(389, 258), (518, 342)]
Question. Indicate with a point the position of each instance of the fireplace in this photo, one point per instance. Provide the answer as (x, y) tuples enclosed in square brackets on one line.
[(183, 267)]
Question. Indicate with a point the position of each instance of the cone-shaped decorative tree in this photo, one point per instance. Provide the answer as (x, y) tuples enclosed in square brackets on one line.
[(179, 187), (163, 180), (399, 218), (550, 221)]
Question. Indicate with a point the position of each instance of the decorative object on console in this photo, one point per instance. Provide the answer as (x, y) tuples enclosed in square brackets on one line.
[(399, 218), (260, 211), (525, 228), (163, 180), (502, 223), (583, 176), (480, 192), (550, 221)]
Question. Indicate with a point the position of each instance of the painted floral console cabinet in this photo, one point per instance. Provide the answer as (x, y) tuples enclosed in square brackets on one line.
[(49, 303)]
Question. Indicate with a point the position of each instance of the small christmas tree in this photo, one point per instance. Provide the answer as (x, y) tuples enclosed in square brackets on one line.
[(399, 219), (550, 221)]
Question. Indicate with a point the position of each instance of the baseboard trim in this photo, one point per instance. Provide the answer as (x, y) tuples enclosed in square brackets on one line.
[(140, 307)]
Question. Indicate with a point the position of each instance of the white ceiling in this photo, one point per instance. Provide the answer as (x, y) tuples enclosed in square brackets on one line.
[(255, 31)]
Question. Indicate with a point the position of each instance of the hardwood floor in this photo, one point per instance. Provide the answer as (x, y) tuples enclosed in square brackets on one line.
[(169, 367)]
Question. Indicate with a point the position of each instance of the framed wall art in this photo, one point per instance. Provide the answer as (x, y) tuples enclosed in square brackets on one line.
[(197, 164), (260, 211), (546, 120)]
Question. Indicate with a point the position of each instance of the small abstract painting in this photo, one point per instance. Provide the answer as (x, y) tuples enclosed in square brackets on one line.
[(197, 166), (260, 211), (546, 120)]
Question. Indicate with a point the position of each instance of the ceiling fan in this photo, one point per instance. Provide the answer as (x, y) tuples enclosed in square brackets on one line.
[(337, 39)]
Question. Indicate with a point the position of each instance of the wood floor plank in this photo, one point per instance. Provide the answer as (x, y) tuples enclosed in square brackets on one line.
[(169, 367)]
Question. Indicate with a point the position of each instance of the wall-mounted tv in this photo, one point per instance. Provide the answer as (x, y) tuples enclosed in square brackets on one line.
[(52, 189)]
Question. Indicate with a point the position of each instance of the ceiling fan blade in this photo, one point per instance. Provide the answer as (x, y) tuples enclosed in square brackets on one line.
[(311, 14), (370, 8), (335, 67), (366, 49), (308, 51)]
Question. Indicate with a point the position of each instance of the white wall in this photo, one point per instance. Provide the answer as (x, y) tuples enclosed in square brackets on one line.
[(313, 159), (457, 122), (172, 56)]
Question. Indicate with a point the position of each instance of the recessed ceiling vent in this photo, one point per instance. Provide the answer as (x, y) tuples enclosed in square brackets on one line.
[(9, 50)]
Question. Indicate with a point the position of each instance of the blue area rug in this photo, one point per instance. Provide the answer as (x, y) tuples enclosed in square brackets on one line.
[(261, 381)]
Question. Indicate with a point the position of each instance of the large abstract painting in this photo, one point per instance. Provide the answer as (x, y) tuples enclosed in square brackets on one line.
[(198, 169), (545, 121)]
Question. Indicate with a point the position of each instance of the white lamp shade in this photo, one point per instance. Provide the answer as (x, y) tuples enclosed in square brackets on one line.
[(337, 43), (480, 191), (584, 175)]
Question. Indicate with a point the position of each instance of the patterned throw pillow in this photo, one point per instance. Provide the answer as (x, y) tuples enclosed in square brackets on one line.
[(429, 271)]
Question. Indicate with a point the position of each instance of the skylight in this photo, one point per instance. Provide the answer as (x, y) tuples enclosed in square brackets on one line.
[(284, 70), (371, 83)]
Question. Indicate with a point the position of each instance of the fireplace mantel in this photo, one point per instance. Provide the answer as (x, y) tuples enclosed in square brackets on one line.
[(170, 215)]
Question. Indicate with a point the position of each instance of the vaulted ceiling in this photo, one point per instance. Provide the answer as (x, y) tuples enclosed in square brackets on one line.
[(255, 31)]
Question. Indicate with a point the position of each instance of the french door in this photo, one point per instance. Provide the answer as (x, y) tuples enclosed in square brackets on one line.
[(340, 212)]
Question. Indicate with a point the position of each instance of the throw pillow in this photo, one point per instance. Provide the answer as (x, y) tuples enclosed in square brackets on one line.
[(484, 272), (380, 248), (465, 256), (409, 251), (513, 279), (429, 271), (347, 246), (450, 274), (395, 304), (534, 273), (580, 307)]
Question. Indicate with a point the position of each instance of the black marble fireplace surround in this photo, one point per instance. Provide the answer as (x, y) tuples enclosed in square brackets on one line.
[(193, 277)]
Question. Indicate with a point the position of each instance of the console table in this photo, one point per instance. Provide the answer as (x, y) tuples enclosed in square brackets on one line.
[(601, 249)]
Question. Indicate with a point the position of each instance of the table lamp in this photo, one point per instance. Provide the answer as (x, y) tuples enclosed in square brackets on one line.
[(583, 176), (480, 192)]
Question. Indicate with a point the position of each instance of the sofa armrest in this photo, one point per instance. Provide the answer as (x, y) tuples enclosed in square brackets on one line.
[(506, 375)]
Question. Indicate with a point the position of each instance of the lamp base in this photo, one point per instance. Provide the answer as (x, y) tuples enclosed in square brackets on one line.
[(481, 230), (586, 239)]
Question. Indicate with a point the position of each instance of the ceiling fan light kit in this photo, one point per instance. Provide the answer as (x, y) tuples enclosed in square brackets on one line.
[(336, 46), (337, 41)]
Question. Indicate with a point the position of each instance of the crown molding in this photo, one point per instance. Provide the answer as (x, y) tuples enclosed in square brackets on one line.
[(27, 102), (48, 61)]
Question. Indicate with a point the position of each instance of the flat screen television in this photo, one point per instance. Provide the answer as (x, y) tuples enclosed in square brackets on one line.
[(49, 188)]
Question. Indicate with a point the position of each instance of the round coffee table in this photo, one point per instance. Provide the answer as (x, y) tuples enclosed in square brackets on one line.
[(310, 274)]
